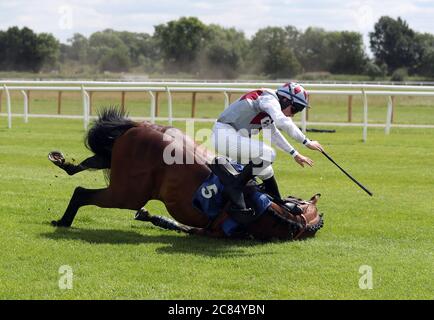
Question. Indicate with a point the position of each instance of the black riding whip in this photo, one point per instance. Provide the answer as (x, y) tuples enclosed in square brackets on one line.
[(347, 174)]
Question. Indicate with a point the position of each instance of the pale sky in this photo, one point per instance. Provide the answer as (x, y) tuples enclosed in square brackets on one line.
[(64, 18)]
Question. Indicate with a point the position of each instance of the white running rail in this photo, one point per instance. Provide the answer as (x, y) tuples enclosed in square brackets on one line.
[(153, 88)]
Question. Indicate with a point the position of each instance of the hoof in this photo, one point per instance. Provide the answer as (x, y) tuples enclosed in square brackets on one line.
[(142, 215), (56, 157), (192, 230), (58, 223)]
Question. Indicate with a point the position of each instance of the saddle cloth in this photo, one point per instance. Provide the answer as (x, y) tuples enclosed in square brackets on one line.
[(208, 198)]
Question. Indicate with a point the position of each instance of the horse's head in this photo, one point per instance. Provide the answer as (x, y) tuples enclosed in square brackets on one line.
[(292, 219), (312, 220)]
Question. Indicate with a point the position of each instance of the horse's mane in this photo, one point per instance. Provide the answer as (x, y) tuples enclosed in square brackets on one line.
[(110, 125)]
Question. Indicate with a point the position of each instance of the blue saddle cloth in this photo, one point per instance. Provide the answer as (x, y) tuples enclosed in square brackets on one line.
[(208, 198)]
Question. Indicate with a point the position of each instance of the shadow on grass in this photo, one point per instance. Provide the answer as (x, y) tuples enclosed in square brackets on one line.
[(174, 243)]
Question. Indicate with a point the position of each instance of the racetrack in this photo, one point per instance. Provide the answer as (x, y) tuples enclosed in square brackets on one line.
[(112, 256)]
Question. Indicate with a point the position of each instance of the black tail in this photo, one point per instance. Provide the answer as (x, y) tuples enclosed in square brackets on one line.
[(110, 125)]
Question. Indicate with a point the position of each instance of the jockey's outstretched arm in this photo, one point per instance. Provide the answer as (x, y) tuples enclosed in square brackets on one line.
[(279, 140), (282, 122), (272, 108)]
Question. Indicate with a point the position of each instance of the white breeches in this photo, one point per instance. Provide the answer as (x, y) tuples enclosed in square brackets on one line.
[(230, 143)]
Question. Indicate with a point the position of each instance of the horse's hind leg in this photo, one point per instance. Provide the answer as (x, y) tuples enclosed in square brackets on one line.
[(93, 162), (82, 197)]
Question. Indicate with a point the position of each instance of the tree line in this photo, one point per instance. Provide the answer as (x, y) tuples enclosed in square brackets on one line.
[(187, 45)]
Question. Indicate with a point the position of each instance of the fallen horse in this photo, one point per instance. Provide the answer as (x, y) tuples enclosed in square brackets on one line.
[(194, 194)]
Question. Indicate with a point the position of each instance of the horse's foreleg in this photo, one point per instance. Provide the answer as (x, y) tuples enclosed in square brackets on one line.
[(82, 197), (162, 222), (169, 224), (93, 162)]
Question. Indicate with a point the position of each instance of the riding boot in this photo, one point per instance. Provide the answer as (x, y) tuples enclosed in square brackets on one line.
[(272, 188), (238, 204), (234, 186), (234, 192)]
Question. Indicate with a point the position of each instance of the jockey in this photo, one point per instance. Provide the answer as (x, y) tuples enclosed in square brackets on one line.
[(272, 111)]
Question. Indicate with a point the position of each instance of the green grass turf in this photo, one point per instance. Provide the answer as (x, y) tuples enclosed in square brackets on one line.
[(112, 256)]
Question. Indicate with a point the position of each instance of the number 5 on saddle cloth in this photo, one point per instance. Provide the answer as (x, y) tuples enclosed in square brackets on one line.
[(210, 198)]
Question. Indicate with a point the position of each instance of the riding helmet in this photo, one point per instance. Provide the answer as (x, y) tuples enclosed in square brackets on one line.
[(296, 94)]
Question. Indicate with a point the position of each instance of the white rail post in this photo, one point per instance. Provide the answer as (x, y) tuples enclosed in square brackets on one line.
[(152, 106), (169, 106), (8, 105), (226, 99), (26, 106), (303, 120), (87, 104), (365, 116), (389, 115), (85, 107)]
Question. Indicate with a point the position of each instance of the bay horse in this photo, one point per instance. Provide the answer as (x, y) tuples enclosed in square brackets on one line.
[(133, 152)]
